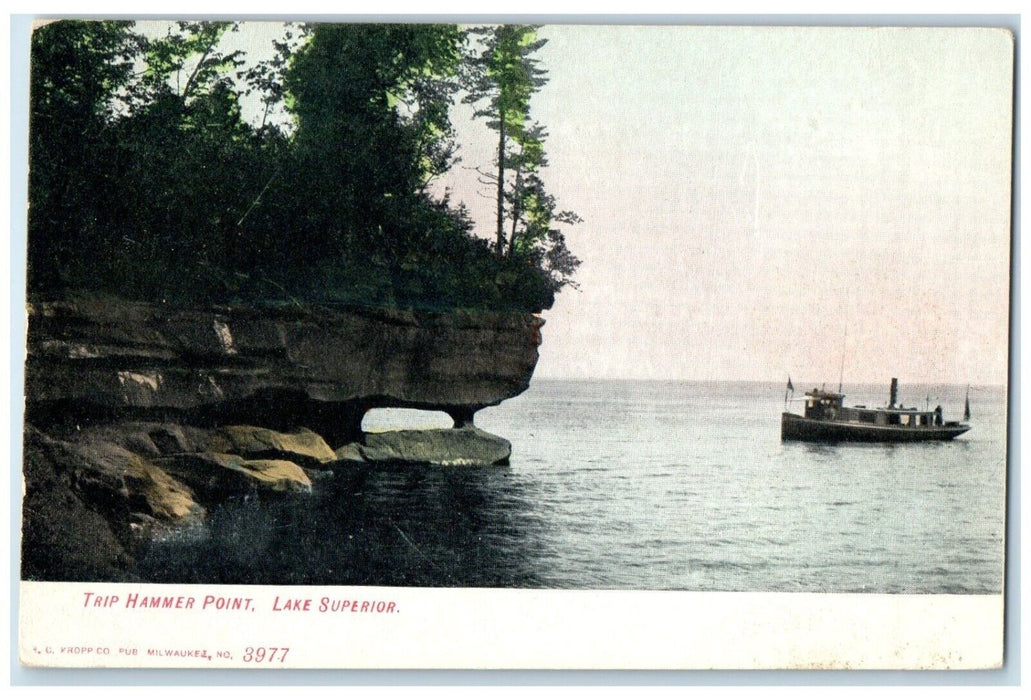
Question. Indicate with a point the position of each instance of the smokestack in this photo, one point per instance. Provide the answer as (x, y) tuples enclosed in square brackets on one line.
[(894, 392)]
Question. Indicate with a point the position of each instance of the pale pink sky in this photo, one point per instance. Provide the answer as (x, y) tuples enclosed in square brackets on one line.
[(749, 192)]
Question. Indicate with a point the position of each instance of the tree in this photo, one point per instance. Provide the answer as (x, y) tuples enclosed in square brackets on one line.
[(140, 160), (147, 181), (189, 166), (372, 107), (268, 78), (78, 69), (503, 78), (187, 62)]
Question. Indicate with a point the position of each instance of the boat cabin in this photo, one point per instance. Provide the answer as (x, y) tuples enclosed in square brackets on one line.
[(823, 405), (829, 406)]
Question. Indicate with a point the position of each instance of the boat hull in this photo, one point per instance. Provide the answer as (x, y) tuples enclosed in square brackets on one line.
[(795, 427)]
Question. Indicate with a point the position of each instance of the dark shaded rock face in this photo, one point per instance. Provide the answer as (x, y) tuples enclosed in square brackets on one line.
[(322, 368), (140, 419), (89, 504)]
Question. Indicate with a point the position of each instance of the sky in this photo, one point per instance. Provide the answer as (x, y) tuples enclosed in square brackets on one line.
[(760, 202)]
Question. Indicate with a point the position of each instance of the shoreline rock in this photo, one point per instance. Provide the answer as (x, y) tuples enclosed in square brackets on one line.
[(143, 418), (448, 447), (95, 497), (302, 446), (218, 474)]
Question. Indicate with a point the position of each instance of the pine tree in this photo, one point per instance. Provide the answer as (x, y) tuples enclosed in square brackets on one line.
[(502, 79)]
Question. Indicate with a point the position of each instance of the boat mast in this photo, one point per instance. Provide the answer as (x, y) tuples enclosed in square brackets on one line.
[(844, 343)]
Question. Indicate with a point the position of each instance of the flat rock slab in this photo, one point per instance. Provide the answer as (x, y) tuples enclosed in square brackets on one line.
[(448, 447)]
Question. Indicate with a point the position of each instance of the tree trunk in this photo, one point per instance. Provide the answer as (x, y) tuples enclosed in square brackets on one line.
[(516, 199), (501, 183)]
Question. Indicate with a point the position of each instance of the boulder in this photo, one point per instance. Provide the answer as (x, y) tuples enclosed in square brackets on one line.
[(148, 439), (217, 475), (88, 504), (167, 499), (351, 452), (277, 475), (458, 447), (63, 537), (302, 446), (115, 478)]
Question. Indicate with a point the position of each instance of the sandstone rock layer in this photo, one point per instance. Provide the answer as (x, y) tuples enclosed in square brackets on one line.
[(277, 367)]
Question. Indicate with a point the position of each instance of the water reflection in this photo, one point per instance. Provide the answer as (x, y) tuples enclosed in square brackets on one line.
[(412, 526)]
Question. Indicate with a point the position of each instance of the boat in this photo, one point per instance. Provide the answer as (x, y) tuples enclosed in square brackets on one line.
[(827, 419)]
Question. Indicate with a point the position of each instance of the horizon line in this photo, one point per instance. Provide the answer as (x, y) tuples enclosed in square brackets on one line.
[(798, 383)]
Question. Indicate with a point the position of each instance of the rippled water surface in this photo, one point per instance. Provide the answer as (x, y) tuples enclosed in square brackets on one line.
[(641, 485)]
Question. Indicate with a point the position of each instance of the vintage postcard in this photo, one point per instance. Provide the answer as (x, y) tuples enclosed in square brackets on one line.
[(410, 345)]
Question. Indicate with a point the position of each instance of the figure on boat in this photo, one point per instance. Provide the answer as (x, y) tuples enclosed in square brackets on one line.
[(827, 419)]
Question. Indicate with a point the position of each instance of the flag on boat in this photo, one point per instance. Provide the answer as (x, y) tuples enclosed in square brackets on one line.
[(789, 390)]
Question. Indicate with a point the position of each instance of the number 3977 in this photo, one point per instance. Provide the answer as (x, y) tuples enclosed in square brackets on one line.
[(269, 655)]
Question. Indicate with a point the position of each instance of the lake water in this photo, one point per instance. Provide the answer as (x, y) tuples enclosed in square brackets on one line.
[(640, 485)]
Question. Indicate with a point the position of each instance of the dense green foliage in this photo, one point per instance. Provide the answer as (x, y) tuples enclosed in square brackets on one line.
[(147, 181)]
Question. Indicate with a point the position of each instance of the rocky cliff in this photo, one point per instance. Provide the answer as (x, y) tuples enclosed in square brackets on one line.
[(319, 367), (142, 417)]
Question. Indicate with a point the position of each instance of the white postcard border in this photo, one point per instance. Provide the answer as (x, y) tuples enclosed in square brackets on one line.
[(100, 625)]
